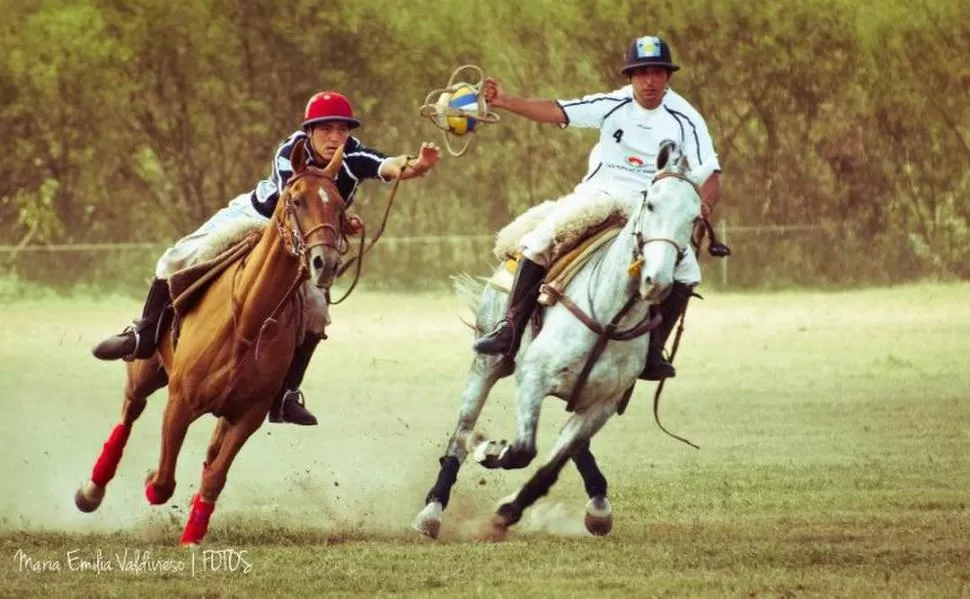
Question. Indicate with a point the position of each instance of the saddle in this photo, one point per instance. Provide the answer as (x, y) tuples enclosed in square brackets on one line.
[(568, 261), (188, 285)]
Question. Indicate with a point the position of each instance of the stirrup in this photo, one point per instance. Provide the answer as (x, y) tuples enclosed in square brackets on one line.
[(134, 332), (299, 400), (296, 396)]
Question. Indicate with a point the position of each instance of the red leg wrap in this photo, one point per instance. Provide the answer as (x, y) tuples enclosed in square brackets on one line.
[(107, 464), (198, 523)]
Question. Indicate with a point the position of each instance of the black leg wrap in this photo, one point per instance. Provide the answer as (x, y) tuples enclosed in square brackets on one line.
[(510, 512), (447, 476), (536, 487), (593, 478)]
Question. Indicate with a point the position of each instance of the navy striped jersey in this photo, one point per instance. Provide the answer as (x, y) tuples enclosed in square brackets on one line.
[(624, 160), (360, 162)]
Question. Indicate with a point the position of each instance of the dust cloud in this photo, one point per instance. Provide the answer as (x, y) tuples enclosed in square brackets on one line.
[(386, 399)]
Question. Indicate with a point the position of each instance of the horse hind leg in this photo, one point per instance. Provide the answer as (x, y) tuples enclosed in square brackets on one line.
[(215, 444), (234, 436), (144, 378), (599, 513), (577, 430), (485, 372)]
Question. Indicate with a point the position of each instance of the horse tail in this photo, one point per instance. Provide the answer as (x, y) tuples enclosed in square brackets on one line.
[(469, 289)]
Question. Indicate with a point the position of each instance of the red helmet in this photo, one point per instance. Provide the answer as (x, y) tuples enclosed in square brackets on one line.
[(329, 106)]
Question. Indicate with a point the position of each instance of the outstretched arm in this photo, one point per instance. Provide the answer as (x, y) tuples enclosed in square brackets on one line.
[(428, 157), (540, 110)]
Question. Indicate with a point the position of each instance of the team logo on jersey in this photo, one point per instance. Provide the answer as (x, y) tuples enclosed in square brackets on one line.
[(634, 161), (648, 47)]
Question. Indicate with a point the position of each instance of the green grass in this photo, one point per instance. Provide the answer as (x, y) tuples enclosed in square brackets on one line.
[(834, 430)]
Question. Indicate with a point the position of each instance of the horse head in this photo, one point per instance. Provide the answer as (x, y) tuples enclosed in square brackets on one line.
[(665, 220), (310, 216)]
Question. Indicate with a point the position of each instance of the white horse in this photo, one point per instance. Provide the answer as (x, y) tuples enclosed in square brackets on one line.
[(617, 286)]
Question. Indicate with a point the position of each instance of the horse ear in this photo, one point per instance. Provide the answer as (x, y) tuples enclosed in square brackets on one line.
[(683, 164), (667, 148), (298, 157), (335, 162)]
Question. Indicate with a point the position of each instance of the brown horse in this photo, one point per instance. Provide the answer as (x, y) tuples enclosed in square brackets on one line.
[(235, 345)]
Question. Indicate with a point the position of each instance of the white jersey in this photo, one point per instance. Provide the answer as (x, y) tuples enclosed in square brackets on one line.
[(624, 160)]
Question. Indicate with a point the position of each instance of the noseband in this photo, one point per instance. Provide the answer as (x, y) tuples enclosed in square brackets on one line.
[(293, 237), (638, 256)]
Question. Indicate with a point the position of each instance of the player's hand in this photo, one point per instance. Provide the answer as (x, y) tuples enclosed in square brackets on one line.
[(492, 92), (353, 225), (428, 157)]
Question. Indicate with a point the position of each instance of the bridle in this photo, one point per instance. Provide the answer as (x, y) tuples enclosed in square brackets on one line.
[(295, 240), (638, 251)]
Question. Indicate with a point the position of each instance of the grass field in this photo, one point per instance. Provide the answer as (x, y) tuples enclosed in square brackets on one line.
[(834, 430)]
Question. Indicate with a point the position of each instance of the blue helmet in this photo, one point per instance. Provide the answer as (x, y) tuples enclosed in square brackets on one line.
[(648, 51)]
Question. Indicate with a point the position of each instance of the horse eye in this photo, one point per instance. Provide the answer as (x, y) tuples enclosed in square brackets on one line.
[(298, 202), (650, 206)]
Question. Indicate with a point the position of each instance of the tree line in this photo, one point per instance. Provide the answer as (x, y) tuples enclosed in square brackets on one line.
[(136, 120)]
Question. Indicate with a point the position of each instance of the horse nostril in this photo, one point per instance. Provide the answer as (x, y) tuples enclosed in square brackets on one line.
[(317, 263), (648, 280)]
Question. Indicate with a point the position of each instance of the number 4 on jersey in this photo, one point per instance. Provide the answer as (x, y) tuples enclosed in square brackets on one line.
[(618, 135)]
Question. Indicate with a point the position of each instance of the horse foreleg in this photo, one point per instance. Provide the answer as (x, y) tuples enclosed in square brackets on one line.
[(160, 485), (531, 389), (485, 372), (599, 513), (234, 436), (577, 430), (144, 377)]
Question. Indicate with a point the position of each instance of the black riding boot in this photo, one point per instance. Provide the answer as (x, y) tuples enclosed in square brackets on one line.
[(505, 337), (657, 368), (138, 341), (292, 406)]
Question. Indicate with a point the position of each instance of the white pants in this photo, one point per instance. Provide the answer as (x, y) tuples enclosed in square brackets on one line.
[(537, 245), (240, 211), (185, 250)]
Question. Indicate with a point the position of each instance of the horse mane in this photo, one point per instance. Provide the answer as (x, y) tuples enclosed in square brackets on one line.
[(469, 289)]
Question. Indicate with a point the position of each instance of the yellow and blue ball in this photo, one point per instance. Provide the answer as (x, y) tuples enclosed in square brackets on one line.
[(464, 98)]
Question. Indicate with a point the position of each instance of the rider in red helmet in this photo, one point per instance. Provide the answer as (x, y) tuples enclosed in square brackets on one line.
[(327, 122)]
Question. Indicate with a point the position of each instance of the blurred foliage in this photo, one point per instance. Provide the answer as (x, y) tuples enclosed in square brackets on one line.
[(135, 120)]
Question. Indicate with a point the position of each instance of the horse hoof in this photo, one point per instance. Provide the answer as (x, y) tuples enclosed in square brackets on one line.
[(497, 528), (428, 520), (157, 496), (517, 457), (489, 453), (88, 497), (599, 516)]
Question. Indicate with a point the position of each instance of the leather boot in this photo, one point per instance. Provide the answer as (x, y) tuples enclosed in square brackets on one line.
[(657, 368), (291, 406), (139, 340), (507, 334)]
